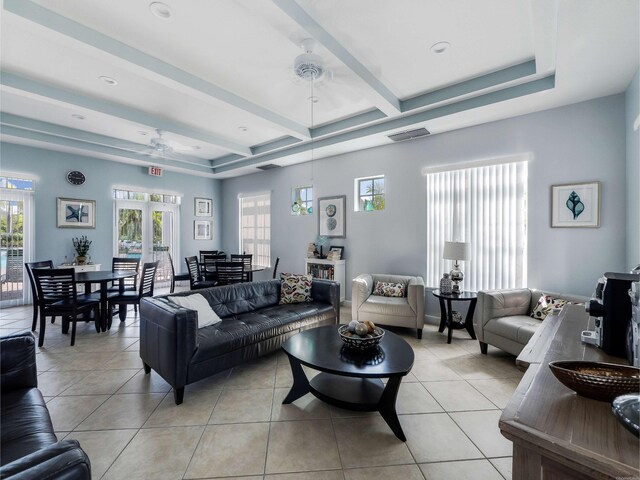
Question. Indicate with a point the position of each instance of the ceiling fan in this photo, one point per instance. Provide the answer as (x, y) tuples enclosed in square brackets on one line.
[(163, 147)]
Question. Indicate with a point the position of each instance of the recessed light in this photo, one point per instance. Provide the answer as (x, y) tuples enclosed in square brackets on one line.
[(77, 116), (440, 47), (160, 10), (142, 132), (108, 80), (243, 129), (313, 99)]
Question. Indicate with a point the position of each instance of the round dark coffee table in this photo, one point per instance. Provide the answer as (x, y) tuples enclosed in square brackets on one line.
[(350, 378)]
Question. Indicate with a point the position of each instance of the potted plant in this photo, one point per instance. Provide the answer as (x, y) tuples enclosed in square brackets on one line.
[(81, 246)]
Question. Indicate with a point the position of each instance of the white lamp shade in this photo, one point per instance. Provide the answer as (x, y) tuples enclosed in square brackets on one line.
[(456, 251)]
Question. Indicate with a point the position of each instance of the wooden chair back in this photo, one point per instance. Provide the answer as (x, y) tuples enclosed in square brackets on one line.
[(193, 267), (123, 264), (229, 273), (275, 267)]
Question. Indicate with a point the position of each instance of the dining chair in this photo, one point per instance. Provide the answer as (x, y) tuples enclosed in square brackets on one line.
[(34, 290), (123, 264), (209, 265), (195, 278), (145, 289), (176, 277), (202, 253), (275, 267), (58, 296), (230, 272), (246, 259)]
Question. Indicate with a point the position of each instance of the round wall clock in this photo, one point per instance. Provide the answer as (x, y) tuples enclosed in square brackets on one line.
[(75, 177)]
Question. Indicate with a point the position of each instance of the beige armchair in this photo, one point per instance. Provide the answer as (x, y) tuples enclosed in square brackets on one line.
[(502, 317), (395, 311)]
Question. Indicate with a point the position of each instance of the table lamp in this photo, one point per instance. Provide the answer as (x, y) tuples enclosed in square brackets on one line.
[(456, 251)]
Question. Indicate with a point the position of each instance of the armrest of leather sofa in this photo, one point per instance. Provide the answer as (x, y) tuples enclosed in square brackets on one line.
[(18, 362), (63, 460), (499, 303), (168, 338), (415, 298), (361, 288), (327, 291)]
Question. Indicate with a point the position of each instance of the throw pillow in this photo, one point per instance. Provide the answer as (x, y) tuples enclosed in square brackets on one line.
[(388, 289), (206, 315), (295, 288), (547, 305)]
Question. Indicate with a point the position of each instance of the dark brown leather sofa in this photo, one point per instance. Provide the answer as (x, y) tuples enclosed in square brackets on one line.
[(30, 449), (253, 324)]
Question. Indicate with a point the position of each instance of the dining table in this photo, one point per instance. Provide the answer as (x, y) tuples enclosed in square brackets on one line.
[(103, 278)]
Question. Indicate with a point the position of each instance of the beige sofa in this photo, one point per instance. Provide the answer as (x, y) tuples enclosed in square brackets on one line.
[(395, 311), (502, 317)]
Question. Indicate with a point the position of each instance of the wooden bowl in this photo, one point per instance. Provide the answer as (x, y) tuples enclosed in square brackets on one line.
[(596, 380)]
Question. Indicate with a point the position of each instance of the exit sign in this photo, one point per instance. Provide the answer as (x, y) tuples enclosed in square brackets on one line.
[(155, 171)]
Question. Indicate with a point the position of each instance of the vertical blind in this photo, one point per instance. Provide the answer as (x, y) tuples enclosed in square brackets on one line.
[(487, 207), (255, 227)]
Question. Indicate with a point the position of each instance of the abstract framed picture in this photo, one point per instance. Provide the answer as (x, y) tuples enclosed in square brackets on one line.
[(575, 205), (202, 207), (332, 221), (201, 230), (76, 213)]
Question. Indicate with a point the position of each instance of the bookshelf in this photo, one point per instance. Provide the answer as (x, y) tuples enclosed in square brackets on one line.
[(328, 270)]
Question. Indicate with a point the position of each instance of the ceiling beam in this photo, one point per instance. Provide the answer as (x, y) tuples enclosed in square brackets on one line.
[(386, 100), (33, 87), (142, 62), (490, 98), (10, 131), (7, 119)]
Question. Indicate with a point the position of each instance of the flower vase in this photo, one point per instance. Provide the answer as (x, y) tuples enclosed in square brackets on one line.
[(81, 260)]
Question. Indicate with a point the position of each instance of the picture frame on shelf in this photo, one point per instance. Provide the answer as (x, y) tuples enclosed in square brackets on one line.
[(575, 205), (332, 219), (337, 248), (76, 213), (201, 230), (203, 207)]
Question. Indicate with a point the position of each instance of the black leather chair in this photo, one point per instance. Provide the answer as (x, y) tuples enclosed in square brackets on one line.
[(147, 282), (247, 260), (230, 272), (34, 290), (176, 277), (30, 448), (195, 278), (58, 296)]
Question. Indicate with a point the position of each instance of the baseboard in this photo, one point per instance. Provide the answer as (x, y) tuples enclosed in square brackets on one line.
[(432, 320)]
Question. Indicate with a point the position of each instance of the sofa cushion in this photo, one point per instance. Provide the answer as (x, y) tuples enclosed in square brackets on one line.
[(26, 425), (546, 305), (519, 328), (241, 297), (388, 289), (388, 306), (206, 315), (295, 288)]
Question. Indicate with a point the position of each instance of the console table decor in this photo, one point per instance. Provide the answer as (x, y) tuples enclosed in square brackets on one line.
[(556, 433), (446, 312)]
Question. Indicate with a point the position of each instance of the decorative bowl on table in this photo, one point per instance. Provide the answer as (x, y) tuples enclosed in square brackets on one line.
[(358, 342), (626, 408), (597, 380)]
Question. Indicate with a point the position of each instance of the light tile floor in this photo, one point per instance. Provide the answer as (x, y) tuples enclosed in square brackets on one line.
[(234, 424)]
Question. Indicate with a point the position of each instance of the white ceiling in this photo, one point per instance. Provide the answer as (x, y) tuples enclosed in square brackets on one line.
[(218, 76)]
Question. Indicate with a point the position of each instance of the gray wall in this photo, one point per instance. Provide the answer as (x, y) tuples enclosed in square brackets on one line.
[(576, 143), (632, 103), (50, 169)]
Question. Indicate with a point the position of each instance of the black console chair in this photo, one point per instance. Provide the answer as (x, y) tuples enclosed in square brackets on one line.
[(34, 290), (30, 449)]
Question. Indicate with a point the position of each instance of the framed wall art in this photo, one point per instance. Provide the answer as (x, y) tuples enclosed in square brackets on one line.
[(575, 205), (201, 230), (332, 221), (203, 207), (76, 213)]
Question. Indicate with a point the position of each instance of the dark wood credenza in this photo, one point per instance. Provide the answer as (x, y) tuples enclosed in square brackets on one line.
[(557, 434)]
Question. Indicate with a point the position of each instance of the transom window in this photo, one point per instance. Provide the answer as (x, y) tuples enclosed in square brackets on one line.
[(302, 200), (369, 194), (120, 194), (13, 183)]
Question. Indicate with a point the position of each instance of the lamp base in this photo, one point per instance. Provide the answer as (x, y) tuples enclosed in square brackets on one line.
[(456, 278)]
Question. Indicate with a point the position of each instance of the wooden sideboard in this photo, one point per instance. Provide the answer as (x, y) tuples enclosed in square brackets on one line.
[(557, 434)]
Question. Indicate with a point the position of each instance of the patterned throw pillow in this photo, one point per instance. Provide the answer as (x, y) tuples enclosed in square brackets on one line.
[(295, 288), (387, 289), (546, 305)]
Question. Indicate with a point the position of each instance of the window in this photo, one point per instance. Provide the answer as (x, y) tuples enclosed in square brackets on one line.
[(16, 183), (255, 227), (302, 200), (369, 194), (486, 206)]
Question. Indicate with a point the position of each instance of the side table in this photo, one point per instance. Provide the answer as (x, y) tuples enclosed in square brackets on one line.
[(446, 312)]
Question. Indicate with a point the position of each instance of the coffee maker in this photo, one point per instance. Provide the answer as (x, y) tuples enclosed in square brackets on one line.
[(612, 309)]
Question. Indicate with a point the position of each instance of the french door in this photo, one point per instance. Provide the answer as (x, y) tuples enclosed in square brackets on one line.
[(148, 231)]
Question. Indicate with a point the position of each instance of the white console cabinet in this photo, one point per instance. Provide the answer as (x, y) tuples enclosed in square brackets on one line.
[(328, 270)]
